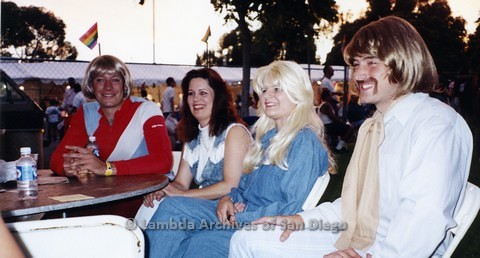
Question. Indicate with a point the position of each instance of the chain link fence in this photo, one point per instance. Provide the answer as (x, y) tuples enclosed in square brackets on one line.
[(47, 79)]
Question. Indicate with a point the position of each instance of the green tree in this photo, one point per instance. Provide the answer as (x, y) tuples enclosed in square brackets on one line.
[(289, 28), (13, 33), (229, 54), (287, 31), (230, 48), (33, 32), (444, 34), (241, 12), (213, 59), (473, 50)]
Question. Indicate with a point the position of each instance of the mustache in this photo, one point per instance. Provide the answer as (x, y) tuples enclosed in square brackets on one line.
[(358, 83)]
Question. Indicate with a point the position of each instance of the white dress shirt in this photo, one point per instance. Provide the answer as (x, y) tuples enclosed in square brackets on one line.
[(424, 162)]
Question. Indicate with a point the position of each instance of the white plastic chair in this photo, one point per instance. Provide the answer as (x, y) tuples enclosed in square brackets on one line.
[(465, 216), (90, 236), (144, 213), (317, 191), (177, 156)]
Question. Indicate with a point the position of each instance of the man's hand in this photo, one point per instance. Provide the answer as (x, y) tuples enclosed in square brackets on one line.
[(347, 253), (82, 160), (68, 168), (149, 198), (288, 224), (226, 211)]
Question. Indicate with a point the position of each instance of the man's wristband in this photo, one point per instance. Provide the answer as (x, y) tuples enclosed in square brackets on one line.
[(109, 170)]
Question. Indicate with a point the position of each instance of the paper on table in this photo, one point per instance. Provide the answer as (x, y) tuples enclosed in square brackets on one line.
[(71, 197)]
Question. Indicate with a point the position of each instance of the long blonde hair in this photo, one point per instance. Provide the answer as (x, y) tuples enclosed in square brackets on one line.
[(294, 81)]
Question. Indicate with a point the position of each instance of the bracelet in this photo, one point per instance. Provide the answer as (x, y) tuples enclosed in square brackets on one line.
[(229, 197), (109, 170)]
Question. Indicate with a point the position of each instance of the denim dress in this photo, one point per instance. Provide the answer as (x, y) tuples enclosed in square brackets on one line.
[(269, 190), (205, 154), (190, 225)]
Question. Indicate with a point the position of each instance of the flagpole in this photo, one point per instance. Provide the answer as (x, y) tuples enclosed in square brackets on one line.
[(205, 39), (141, 2), (153, 14), (99, 47), (208, 55)]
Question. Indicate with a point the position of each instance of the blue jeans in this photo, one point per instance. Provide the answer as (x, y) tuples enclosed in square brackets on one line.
[(187, 227)]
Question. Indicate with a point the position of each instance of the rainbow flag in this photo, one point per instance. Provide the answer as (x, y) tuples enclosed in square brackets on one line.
[(90, 37)]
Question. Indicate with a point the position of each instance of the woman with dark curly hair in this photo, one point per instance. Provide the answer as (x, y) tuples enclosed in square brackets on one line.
[(215, 142)]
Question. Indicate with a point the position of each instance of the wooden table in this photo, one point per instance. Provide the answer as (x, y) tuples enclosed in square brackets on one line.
[(98, 189)]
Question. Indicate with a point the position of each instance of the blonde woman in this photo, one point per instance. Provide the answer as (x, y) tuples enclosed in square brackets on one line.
[(289, 154)]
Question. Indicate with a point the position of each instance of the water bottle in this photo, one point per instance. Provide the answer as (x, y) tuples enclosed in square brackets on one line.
[(91, 145), (26, 175)]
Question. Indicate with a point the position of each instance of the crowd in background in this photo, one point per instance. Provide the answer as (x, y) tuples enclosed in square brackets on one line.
[(458, 91)]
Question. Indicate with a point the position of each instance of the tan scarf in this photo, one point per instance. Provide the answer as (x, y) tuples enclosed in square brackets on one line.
[(361, 189), (360, 192)]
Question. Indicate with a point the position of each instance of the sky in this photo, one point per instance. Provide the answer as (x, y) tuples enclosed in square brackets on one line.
[(126, 28)]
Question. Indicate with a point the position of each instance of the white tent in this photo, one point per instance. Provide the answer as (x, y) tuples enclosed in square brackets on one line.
[(58, 72)]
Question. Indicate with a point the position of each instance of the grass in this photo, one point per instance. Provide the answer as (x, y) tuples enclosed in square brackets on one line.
[(470, 244)]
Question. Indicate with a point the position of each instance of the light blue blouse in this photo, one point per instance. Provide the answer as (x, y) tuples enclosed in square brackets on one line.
[(268, 190)]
